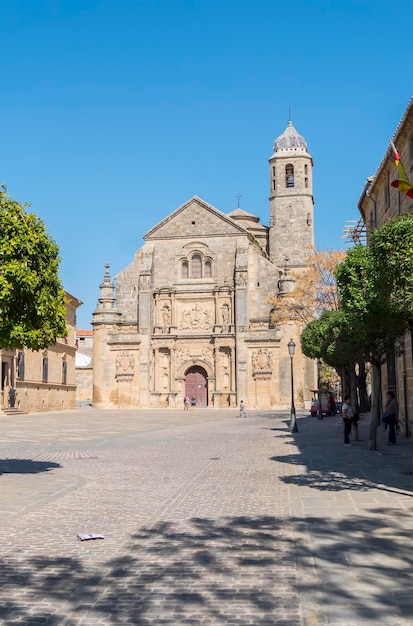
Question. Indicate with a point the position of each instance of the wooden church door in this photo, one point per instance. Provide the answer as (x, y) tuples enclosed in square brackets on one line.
[(196, 385)]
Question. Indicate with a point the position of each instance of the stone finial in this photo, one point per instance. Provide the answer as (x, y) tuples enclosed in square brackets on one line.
[(107, 298)]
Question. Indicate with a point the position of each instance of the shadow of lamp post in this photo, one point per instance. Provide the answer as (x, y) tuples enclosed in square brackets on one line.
[(293, 419), (320, 408)]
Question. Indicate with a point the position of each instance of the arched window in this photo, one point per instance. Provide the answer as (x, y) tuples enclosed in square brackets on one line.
[(20, 365), (64, 372), (45, 367), (196, 266), (289, 175)]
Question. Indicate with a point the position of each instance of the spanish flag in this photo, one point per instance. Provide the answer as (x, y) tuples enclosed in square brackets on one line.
[(402, 183)]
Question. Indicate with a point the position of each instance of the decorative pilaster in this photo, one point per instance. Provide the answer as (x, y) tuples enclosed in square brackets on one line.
[(241, 316)]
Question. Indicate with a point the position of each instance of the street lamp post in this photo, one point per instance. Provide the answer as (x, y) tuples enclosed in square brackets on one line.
[(320, 408), (293, 419)]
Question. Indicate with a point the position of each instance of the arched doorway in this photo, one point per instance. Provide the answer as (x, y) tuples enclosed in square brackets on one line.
[(196, 385)]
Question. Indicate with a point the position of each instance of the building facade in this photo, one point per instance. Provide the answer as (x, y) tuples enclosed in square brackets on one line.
[(43, 380), (84, 367), (191, 315), (379, 203)]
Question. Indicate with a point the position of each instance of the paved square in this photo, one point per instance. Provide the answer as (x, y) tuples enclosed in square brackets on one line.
[(208, 519)]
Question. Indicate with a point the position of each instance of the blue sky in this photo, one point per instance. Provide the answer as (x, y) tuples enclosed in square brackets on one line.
[(115, 112)]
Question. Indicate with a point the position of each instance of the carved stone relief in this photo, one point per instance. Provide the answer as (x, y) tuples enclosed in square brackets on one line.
[(257, 324), (144, 283), (125, 362), (125, 366), (166, 315), (241, 279), (241, 260), (196, 318), (261, 359), (225, 313), (193, 353)]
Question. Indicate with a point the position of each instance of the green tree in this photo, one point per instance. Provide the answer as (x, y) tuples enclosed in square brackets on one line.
[(392, 251), (333, 339), (32, 300), (374, 321)]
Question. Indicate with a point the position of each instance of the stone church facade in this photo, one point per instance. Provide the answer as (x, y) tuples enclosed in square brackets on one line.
[(191, 314)]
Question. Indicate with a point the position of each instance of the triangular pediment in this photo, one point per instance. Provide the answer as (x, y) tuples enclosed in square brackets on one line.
[(195, 218)]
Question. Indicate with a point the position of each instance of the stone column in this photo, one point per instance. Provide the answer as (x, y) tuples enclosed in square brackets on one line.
[(145, 332), (233, 366), (217, 369), (241, 318)]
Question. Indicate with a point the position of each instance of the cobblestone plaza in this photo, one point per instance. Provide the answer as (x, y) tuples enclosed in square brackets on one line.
[(208, 519)]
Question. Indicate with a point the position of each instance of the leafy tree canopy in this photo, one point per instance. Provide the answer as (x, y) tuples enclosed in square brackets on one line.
[(32, 300), (364, 302), (331, 337), (392, 251)]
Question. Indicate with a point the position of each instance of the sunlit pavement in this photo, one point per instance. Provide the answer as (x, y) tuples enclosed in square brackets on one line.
[(208, 519)]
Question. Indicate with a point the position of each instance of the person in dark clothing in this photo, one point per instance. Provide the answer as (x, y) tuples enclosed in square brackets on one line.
[(390, 417)]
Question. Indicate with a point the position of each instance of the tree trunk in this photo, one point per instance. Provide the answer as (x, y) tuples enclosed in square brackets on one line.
[(409, 430), (362, 387), (345, 378), (375, 405), (354, 401)]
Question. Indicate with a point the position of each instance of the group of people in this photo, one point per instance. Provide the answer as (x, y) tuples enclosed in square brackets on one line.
[(192, 403), (390, 418), (189, 403)]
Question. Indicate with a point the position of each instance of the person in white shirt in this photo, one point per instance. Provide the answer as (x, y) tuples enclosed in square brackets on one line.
[(348, 415), (242, 409)]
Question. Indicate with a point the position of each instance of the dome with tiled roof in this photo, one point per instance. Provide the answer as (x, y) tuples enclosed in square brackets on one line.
[(290, 140), (240, 214)]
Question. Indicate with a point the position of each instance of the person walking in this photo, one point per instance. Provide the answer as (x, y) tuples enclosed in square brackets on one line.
[(186, 403), (390, 417), (242, 409), (348, 415)]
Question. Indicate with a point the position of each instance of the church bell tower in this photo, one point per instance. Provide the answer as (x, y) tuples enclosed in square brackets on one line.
[(291, 200)]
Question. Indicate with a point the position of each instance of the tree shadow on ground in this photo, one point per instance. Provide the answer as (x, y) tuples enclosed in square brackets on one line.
[(325, 465), (337, 481), (26, 466), (237, 570)]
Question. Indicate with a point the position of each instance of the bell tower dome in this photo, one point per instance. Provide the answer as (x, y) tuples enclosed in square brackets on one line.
[(291, 200)]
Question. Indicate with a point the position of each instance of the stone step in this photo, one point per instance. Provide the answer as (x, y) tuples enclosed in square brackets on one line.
[(12, 411)]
